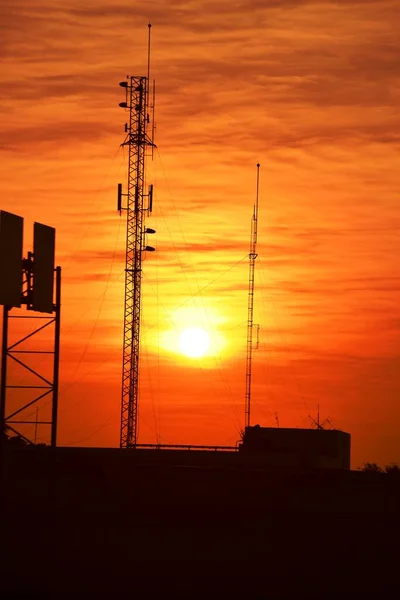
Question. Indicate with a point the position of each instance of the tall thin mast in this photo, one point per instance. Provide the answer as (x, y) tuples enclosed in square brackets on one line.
[(138, 142), (250, 309)]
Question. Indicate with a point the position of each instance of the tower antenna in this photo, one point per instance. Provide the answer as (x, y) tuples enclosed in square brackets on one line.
[(148, 58), (137, 204), (152, 106), (250, 309)]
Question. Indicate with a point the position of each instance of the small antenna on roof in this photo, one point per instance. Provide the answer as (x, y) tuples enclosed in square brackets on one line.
[(317, 423)]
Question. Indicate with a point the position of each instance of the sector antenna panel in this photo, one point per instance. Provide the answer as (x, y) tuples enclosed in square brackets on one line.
[(11, 234), (43, 267)]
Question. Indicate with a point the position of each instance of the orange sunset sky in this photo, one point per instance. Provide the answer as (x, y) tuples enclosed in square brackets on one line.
[(310, 89)]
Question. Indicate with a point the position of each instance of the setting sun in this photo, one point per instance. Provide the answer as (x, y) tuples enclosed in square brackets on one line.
[(194, 342)]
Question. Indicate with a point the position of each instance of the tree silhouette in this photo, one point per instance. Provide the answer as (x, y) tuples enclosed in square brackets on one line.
[(392, 469), (371, 468)]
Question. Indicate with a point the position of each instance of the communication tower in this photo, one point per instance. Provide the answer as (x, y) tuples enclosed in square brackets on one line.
[(137, 203), (250, 309)]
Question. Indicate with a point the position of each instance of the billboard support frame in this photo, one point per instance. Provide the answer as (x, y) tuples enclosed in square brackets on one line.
[(8, 421), (3, 382)]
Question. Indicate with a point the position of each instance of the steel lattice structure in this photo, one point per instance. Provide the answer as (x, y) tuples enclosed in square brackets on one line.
[(13, 419), (138, 141), (250, 309)]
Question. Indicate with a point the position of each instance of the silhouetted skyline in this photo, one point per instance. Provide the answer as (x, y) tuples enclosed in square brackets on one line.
[(307, 89)]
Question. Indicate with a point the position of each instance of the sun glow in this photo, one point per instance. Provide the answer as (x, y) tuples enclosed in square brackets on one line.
[(194, 342), (194, 333)]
